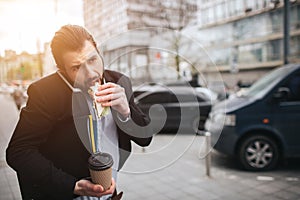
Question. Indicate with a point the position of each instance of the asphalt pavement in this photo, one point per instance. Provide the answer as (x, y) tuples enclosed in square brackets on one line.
[(172, 167)]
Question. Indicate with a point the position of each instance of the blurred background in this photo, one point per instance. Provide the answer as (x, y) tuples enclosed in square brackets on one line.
[(219, 48), (244, 39)]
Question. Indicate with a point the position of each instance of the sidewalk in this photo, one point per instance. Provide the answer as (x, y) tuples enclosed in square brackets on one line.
[(172, 167), (186, 179), (9, 188)]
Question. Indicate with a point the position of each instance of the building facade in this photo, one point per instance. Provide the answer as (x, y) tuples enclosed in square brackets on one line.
[(19, 67), (124, 29), (243, 38)]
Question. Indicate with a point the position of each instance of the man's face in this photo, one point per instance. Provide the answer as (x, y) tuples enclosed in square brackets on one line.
[(83, 67)]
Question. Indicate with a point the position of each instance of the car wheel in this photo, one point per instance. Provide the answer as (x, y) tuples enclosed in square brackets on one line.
[(258, 153)]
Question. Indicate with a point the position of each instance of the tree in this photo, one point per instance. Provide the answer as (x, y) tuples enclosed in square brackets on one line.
[(176, 15)]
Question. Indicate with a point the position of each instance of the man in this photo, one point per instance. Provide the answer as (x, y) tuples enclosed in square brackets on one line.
[(18, 96), (46, 149)]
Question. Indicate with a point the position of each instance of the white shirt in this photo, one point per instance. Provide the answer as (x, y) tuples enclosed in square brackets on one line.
[(107, 141)]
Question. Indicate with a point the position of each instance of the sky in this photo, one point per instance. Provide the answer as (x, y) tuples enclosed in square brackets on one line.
[(25, 25)]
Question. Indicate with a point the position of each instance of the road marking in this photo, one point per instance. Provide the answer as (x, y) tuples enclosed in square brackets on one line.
[(265, 178), (291, 179)]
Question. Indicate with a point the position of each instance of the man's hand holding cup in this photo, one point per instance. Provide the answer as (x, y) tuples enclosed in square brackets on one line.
[(87, 188)]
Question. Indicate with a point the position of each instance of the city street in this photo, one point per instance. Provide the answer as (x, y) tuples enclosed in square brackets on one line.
[(172, 167)]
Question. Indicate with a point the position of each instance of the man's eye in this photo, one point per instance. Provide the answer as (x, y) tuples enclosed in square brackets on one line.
[(75, 68), (92, 60)]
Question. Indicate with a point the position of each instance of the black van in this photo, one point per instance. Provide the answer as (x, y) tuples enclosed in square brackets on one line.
[(262, 124)]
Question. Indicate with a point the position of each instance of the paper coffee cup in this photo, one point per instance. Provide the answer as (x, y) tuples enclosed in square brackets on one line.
[(100, 166)]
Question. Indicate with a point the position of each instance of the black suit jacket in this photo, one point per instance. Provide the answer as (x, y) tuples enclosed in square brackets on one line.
[(45, 149)]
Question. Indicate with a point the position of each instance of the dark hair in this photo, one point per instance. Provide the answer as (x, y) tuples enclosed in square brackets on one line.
[(69, 38)]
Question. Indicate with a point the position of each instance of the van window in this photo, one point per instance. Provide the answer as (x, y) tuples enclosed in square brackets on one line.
[(294, 86), (266, 82)]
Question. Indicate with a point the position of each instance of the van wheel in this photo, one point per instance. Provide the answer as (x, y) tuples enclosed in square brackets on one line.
[(258, 153)]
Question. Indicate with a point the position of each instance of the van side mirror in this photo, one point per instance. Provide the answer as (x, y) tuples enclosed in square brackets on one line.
[(281, 93)]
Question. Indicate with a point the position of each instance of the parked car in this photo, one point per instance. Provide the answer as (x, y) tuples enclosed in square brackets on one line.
[(261, 125), (184, 106)]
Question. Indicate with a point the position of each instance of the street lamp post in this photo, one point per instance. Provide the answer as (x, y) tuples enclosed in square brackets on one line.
[(286, 31)]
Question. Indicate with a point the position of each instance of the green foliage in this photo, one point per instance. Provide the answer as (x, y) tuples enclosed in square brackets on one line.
[(25, 71)]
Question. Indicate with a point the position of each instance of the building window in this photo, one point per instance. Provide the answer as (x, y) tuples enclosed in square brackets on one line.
[(219, 12), (276, 21), (231, 7), (252, 53), (295, 47), (210, 14), (239, 7), (204, 18)]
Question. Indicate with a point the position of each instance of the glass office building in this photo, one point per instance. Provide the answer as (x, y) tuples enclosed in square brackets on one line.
[(246, 36)]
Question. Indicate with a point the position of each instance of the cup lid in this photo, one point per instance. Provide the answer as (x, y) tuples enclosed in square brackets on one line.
[(100, 161)]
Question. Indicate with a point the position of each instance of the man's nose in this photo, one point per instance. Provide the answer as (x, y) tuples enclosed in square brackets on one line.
[(88, 70)]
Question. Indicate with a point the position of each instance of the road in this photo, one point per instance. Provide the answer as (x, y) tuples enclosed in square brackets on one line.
[(172, 167)]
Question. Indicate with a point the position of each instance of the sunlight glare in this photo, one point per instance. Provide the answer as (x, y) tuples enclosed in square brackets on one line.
[(32, 22)]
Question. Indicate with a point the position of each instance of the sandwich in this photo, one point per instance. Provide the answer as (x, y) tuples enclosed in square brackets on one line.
[(99, 109)]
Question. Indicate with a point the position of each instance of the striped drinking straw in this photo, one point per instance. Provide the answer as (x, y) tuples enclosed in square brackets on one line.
[(92, 135)]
